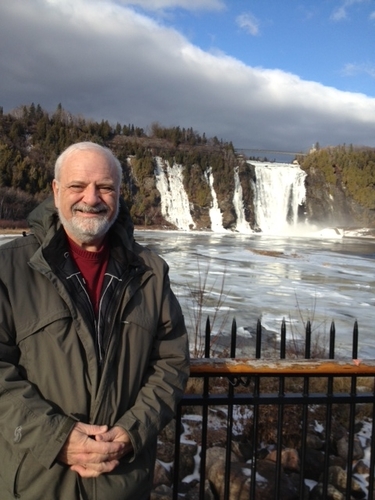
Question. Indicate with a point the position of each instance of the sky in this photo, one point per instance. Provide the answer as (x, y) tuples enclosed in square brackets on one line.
[(264, 74)]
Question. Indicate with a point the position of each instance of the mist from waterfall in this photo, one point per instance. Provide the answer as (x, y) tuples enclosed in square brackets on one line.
[(279, 191)]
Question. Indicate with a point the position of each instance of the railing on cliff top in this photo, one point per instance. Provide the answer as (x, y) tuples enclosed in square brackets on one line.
[(262, 384)]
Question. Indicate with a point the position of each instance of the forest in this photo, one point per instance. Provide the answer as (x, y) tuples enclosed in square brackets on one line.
[(31, 139), (353, 168)]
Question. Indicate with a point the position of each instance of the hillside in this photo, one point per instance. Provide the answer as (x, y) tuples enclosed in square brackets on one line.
[(339, 183)]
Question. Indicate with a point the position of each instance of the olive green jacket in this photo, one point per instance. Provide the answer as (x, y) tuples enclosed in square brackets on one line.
[(50, 375)]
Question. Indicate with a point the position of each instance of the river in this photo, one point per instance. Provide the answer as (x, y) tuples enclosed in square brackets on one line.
[(251, 276), (247, 277)]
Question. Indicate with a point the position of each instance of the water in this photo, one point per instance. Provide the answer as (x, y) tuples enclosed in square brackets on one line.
[(257, 276), (272, 278), (279, 191)]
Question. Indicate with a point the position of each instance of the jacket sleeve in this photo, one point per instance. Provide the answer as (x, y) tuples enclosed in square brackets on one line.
[(28, 423), (165, 379)]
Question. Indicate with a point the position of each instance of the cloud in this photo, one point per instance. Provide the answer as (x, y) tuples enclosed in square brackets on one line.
[(171, 4), (351, 69), (249, 23), (372, 16), (102, 60), (342, 11)]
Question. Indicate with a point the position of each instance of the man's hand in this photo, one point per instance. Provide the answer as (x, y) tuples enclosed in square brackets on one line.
[(116, 435), (89, 456)]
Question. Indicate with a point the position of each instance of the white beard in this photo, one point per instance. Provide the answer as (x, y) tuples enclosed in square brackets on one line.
[(87, 230)]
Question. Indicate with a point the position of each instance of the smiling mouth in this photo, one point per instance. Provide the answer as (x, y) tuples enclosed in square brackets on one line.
[(90, 211), (89, 214)]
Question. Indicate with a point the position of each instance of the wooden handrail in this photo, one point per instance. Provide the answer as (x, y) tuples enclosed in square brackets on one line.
[(274, 367)]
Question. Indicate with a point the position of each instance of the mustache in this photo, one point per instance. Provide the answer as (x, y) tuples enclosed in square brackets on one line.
[(98, 209)]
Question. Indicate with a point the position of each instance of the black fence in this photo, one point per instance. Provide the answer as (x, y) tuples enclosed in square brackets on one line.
[(307, 428)]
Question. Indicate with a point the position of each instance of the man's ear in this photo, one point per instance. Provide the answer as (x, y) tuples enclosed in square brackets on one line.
[(55, 188)]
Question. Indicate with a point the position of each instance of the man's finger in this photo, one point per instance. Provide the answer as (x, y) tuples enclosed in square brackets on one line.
[(94, 470), (90, 429)]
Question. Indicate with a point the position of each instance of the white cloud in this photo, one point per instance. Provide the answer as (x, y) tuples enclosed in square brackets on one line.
[(341, 12), (249, 23), (372, 16), (104, 61), (351, 69), (171, 4)]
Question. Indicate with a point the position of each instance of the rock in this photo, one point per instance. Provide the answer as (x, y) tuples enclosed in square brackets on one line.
[(289, 459), (314, 441), (343, 447), (337, 477), (161, 475), (193, 494), (165, 452), (162, 492), (314, 464), (332, 493), (361, 468)]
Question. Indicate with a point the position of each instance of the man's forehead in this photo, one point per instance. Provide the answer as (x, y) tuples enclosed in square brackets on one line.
[(94, 161), (91, 155)]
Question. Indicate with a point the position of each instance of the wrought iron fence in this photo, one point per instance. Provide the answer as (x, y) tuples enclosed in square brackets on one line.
[(299, 392)]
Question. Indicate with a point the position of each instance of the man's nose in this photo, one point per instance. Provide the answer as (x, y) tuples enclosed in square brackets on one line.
[(91, 195)]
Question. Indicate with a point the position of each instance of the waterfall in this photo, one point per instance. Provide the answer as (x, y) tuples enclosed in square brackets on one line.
[(216, 216), (278, 192), (242, 226), (175, 206)]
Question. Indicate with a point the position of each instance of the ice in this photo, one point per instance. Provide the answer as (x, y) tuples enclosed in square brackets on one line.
[(326, 281)]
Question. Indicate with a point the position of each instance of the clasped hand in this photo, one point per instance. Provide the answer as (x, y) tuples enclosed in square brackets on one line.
[(91, 450)]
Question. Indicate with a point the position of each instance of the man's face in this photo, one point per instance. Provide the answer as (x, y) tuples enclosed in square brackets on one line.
[(86, 197)]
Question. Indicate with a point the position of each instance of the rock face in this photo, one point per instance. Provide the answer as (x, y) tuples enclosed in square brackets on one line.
[(318, 483), (155, 197), (330, 205)]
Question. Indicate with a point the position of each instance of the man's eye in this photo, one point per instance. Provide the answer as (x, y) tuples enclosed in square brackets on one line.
[(105, 189), (76, 189)]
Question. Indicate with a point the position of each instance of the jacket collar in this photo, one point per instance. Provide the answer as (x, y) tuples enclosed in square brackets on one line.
[(44, 222)]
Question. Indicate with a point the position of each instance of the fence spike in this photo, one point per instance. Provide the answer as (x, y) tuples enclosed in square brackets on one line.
[(207, 338), (283, 339), (332, 335), (258, 345), (308, 340), (355, 341), (233, 339)]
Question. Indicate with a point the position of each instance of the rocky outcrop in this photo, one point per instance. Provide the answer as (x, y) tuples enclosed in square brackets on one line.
[(326, 204), (315, 481), (330, 204)]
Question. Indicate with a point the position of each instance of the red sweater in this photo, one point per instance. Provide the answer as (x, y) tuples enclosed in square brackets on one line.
[(92, 266)]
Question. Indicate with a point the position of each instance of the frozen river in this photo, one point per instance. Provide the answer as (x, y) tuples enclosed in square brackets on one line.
[(272, 278), (255, 276)]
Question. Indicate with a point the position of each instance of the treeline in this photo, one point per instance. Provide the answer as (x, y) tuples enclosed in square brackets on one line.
[(351, 168), (31, 139)]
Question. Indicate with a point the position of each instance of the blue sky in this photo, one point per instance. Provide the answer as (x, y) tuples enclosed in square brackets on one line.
[(328, 41), (269, 74)]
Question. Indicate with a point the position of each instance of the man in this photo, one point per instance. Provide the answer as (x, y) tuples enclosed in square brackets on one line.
[(93, 347)]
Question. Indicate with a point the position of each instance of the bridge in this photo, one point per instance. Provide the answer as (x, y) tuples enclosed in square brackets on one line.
[(272, 151)]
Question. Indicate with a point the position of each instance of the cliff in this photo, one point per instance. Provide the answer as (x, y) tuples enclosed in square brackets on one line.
[(177, 178)]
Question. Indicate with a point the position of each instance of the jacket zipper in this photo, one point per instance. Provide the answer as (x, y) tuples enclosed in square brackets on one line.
[(119, 292), (97, 322)]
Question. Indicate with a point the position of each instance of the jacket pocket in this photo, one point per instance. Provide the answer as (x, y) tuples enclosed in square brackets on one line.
[(21, 476), (10, 468), (42, 322), (54, 359)]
